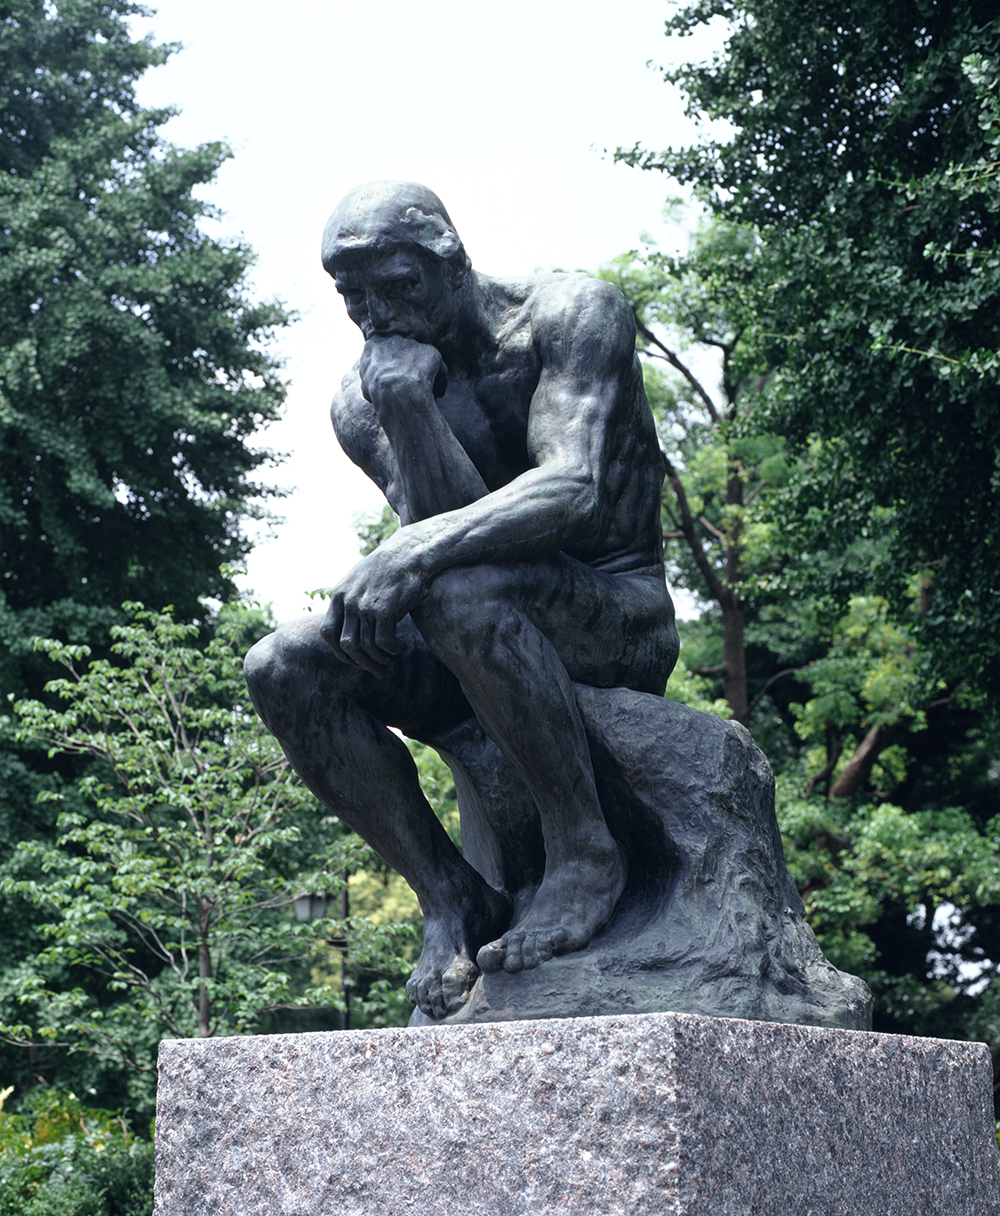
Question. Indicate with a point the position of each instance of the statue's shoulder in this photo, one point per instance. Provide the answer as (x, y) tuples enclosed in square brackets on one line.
[(553, 305)]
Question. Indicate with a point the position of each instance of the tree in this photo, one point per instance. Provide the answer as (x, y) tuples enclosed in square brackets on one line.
[(132, 374), (893, 842), (59, 1157), (133, 370), (65, 66), (730, 478), (172, 879), (132, 365), (864, 152)]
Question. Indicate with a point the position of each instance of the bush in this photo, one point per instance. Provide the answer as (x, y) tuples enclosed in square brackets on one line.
[(60, 1158)]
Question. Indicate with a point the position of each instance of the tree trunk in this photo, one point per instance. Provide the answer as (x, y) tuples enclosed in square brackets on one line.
[(205, 973), (734, 655), (734, 659), (733, 668), (860, 767)]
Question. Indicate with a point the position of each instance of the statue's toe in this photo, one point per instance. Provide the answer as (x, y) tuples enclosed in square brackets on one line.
[(490, 957)]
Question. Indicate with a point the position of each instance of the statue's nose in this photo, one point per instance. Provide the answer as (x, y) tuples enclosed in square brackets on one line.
[(378, 310)]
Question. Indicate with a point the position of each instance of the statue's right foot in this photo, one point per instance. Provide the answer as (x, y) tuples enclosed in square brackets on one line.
[(446, 971), (570, 908)]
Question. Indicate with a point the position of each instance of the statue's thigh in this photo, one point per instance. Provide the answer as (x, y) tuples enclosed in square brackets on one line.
[(416, 693), (609, 630)]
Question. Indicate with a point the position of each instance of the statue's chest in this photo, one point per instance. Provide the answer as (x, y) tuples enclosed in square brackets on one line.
[(490, 420)]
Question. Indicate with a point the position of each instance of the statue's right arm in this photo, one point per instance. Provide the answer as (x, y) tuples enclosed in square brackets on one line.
[(388, 422)]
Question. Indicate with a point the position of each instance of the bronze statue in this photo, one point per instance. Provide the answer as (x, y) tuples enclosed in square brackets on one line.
[(506, 423)]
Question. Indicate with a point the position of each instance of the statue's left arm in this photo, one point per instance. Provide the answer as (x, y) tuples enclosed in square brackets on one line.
[(585, 338)]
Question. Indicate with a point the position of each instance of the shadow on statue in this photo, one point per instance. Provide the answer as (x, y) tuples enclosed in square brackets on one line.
[(620, 852)]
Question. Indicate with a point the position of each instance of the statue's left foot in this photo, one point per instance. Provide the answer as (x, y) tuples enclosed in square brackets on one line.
[(440, 988), (445, 973), (570, 908)]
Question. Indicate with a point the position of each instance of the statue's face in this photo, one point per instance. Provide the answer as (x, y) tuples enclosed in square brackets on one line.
[(405, 292)]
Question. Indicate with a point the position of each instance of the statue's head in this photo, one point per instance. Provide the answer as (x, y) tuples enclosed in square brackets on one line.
[(381, 216), (397, 260)]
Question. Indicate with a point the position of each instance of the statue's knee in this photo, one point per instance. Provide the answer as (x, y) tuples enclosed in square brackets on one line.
[(259, 667), (273, 669)]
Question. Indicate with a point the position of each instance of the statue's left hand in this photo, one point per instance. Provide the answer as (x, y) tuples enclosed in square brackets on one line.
[(367, 603)]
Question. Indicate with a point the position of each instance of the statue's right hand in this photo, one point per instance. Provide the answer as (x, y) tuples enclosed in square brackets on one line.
[(366, 605), (393, 367)]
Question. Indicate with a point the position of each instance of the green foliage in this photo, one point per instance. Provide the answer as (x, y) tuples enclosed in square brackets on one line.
[(172, 876), (906, 899), (134, 372), (868, 676), (864, 155), (696, 691), (373, 529), (132, 369), (131, 377), (899, 869), (64, 68), (60, 1158), (383, 954)]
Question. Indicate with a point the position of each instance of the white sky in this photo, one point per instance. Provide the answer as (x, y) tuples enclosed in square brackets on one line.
[(504, 109)]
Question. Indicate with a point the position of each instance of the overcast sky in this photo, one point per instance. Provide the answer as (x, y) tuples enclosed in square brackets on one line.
[(503, 108)]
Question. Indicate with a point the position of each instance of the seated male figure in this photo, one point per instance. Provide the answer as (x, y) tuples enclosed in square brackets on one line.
[(505, 422)]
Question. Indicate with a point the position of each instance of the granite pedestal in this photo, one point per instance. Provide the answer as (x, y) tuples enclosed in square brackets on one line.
[(660, 1113)]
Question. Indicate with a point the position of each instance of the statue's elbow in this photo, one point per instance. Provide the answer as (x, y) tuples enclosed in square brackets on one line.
[(588, 507)]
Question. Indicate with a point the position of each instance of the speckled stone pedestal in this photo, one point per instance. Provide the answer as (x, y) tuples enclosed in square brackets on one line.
[(659, 1113)]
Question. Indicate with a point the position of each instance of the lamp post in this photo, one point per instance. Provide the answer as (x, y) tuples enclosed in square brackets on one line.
[(345, 1013), (309, 907), (313, 907)]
